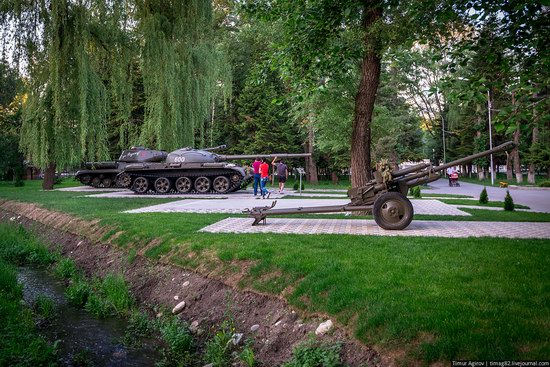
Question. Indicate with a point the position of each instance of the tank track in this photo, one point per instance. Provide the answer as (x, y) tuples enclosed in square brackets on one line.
[(235, 186)]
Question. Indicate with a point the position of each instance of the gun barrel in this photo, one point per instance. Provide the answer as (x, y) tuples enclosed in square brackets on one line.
[(219, 147), (500, 148), (253, 156)]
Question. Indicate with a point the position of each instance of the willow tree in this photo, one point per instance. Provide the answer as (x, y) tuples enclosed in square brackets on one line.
[(83, 60), (181, 70), (67, 50)]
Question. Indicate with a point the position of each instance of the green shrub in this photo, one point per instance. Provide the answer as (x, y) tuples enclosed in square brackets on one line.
[(97, 306), (544, 184), (19, 247), (313, 353), (8, 280), (18, 182), (44, 307), (508, 202), (115, 292), (139, 325), (179, 343), (296, 186), (416, 193), (78, 292), (247, 356), (65, 268), (483, 197), (218, 349)]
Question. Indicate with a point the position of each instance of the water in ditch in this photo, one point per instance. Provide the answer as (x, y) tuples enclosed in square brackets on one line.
[(78, 333)]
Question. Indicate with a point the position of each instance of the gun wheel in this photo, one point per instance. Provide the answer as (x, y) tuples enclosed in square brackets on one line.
[(393, 211), (141, 185), (221, 184), (183, 185), (162, 185), (202, 184)]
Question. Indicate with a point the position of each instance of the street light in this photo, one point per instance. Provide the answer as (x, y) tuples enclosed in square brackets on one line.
[(490, 137)]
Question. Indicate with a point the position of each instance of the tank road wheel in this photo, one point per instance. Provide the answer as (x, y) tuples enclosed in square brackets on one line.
[(123, 180), (141, 185), (235, 178), (96, 181), (183, 185), (221, 184), (202, 184), (107, 182), (393, 210), (162, 185), (86, 179)]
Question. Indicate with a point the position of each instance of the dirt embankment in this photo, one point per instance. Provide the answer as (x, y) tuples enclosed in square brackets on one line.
[(208, 301)]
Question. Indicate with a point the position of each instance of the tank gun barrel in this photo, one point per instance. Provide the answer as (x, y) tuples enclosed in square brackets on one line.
[(219, 147), (269, 156)]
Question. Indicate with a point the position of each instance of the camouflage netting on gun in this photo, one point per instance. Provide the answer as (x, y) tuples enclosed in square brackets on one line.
[(385, 169)]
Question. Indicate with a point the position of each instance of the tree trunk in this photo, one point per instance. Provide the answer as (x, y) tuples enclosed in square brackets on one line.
[(531, 175), (334, 177), (366, 95), (509, 171), (311, 166), (49, 177), (515, 154)]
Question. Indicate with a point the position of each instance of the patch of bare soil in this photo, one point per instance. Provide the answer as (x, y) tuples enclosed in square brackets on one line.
[(208, 301)]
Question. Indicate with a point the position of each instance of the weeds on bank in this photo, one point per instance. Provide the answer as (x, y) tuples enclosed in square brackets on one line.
[(20, 345), (314, 353)]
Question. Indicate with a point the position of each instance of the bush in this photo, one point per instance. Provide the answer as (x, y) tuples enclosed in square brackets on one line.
[(179, 343), (97, 306), (115, 291), (218, 349), (65, 268), (508, 202), (416, 193), (483, 197), (8, 280), (18, 247), (296, 186), (313, 353), (544, 184), (44, 307), (78, 292)]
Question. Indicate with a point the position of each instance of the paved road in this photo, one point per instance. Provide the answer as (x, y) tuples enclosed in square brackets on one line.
[(237, 205), (538, 200), (434, 228)]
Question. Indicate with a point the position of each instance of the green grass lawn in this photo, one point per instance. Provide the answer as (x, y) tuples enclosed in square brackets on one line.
[(494, 204), (502, 178), (434, 298)]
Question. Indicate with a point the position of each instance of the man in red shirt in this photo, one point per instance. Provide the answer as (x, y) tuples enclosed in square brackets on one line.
[(264, 174)]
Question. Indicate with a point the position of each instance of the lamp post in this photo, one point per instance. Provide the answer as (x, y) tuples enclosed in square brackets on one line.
[(490, 137)]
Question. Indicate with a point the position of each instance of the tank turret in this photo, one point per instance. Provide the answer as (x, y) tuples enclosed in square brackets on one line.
[(189, 170)]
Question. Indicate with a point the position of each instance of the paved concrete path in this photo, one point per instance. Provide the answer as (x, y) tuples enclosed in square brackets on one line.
[(368, 227), (538, 200), (237, 206)]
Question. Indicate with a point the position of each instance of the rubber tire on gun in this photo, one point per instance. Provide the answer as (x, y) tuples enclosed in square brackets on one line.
[(393, 211)]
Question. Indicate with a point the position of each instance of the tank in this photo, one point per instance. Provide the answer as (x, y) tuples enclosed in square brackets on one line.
[(107, 174), (197, 171)]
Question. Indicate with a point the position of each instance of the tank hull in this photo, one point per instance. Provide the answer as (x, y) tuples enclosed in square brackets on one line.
[(195, 178), (108, 173)]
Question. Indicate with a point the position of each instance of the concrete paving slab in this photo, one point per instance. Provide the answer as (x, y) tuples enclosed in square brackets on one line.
[(237, 206), (368, 227)]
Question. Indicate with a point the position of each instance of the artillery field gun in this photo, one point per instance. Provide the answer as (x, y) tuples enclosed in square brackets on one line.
[(104, 174), (190, 170), (385, 196)]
